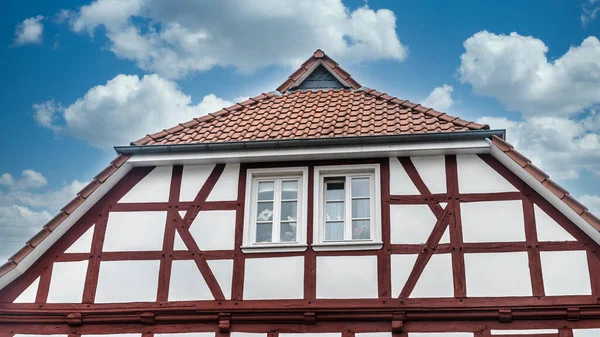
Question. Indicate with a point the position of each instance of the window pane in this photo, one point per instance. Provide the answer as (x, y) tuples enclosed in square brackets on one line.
[(361, 229), (335, 211), (288, 210), (289, 190), (335, 189), (361, 208), (334, 231), (360, 187), (264, 211), (264, 232), (288, 232), (265, 190)]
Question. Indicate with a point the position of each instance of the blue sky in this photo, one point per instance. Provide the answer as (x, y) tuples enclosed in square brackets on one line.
[(81, 77)]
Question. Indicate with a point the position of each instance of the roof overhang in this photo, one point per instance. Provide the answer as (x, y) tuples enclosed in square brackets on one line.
[(407, 140)]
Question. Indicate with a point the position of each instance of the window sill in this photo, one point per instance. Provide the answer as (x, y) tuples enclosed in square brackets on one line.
[(269, 248), (337, 246)]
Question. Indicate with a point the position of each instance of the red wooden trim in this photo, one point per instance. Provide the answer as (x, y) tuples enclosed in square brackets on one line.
[(425, 256), (199, 258), (417, 248), (239, 262), (164, 274), (384, 254), (417, 199), (44, 285), (8, 294), (565, 332), (203, 194), (456, 235), (93, 269), (533, 252), (497, 196), (328, 162), (310, 257), (147, 255), (594, 268), (163, 206), (413, 174), (528, 335)]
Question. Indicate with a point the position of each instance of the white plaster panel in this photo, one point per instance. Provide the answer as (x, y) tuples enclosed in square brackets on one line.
[(583, 332), (29, 335), (400, 183), (493, 221), (246, 334), (127, 281), (432, 170), (84, 243), (497, 274), (436, 279), (187, 283), (523, 332), (179, 244), (373, 334), (192, 180), (214, 230), (411, 224), (134, 231), (227, 185), (347, 277), (274, 278), (223, 271), (67, 282), (476, 176), (402, 265), (322, 334), (446, 236), (115, 335), (548, 229), (28, 295), (154, 187), (440, 334), (565, 273), (186, 334)]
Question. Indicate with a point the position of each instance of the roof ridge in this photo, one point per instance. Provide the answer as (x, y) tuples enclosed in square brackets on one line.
[(197, 120), (425, 110)]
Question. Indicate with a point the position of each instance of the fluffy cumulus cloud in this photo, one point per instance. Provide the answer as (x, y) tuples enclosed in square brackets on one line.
[(24, 208), (592, 202), (198, 35), (440, 98), (562, 147), (516, 70), (124, 109), (589, 11), (29, 31)]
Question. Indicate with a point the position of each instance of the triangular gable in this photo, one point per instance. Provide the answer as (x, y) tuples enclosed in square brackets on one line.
[(327, 74)]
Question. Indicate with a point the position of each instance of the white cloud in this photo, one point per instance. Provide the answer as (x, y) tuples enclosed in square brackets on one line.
[(589, 11), (30, 179), (196, 36), (29, 31), (23, 212), (124, 109), (515, 70), (592, 202), (440, 98), (562, 147)]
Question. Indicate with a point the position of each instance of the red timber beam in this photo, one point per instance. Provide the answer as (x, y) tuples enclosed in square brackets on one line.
[(531, 197)]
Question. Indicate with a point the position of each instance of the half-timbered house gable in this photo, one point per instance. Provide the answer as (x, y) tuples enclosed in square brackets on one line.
[(325, 209)]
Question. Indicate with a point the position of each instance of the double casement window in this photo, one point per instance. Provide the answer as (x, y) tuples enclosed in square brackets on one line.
[(276, 207), (346, 208)]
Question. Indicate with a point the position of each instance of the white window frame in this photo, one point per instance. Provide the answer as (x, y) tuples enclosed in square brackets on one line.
[(348, 171), (253, 176)]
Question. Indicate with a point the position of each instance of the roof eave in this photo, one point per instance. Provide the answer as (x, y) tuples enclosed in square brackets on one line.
[(311, 142)]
